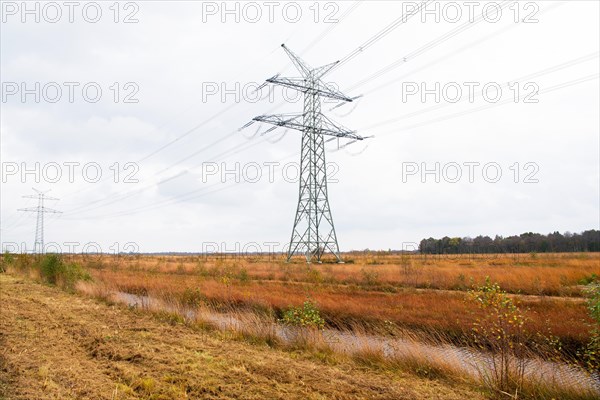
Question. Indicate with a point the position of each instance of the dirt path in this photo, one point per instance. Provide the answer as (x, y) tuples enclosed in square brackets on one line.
[(54, 345)]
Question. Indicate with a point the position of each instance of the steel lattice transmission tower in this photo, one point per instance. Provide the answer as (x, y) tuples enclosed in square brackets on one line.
[(38, 246), (313, 233)]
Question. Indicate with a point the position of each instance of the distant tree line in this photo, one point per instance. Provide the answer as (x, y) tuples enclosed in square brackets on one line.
[(524, 243)]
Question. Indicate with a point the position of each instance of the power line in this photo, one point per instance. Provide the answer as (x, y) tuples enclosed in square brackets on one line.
[(245, 146), (187, 133), (372, 40), (191, 195), (380, 35), (383, 33), (401, 62), (488, 106), (195, 194), (317, 40), (459, 29), (332, 27), (533, 75)]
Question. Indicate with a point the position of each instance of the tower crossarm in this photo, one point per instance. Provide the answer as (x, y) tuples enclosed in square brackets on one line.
[(37, 196), (328, 127), (293, 83), (292, 121), (331, 92), (320, 88), (41, 209)]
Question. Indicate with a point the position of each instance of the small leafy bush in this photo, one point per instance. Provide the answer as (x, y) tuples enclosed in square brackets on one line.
[(55, 271), (500, 332), (306, 316), (588, 279), (592, 350), (243, 275), (192, 297), (7, 259)]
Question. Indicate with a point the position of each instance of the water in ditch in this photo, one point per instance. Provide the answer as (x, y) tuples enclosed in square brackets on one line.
[(464, 359)]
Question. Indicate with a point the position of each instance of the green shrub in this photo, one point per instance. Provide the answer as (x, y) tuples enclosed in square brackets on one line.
[(592, 350), (192, 297), (7, 259), (243, 275), (50, 268), (55, 271), (588, 279), (307, 316)]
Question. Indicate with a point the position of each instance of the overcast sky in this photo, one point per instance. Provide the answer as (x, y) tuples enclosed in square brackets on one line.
[(163, 116)]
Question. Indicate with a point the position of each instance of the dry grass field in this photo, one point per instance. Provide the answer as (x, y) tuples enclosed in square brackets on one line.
[(425, 293), (383, 295), (549, 274), (55, 345)]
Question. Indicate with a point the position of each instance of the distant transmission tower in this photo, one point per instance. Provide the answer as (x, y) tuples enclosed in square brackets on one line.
[(38, 246), (313, 232)]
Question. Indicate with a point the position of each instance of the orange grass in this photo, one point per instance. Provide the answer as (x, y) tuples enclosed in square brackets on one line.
[(536, 274), (368, 293)]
